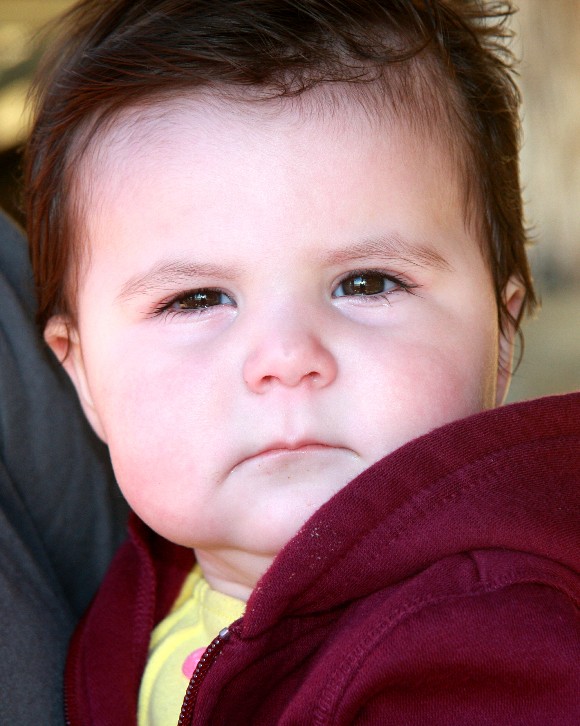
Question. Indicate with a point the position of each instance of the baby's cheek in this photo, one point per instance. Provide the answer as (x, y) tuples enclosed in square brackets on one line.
[(140, 424), (160, 480), (434, 385)]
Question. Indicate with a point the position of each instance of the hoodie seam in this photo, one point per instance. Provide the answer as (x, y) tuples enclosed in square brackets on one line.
[(341, 679), (417, 504)]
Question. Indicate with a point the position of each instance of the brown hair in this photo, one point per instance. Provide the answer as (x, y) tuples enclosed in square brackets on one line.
[(442, 58)]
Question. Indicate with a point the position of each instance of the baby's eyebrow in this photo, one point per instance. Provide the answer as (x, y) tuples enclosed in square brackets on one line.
[(393, 247), (169, 274)]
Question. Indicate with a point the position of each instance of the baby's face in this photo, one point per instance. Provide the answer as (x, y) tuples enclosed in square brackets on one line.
[(270, 306)]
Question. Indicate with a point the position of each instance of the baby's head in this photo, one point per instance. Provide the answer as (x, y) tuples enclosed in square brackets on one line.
[(273, 241)]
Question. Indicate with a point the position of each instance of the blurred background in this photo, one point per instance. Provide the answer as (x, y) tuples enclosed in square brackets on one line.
[(548, 43)]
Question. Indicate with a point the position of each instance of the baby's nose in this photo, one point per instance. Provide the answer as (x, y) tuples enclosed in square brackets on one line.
[(290, 358)]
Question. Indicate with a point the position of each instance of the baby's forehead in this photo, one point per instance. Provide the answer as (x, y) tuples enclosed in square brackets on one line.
[(140, 143), (173, 139), (331, 112)]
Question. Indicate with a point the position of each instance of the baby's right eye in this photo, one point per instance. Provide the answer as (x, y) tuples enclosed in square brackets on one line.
[(196, 301), (201, 299)]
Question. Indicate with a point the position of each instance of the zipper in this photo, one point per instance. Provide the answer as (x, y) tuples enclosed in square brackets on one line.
[(205, 663)]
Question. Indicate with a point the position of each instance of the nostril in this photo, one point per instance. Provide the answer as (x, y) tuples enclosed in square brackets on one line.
[(290, 379)]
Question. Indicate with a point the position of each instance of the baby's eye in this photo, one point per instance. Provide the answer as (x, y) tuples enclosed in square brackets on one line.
[(196, 301), (201, 299), (368, 283)]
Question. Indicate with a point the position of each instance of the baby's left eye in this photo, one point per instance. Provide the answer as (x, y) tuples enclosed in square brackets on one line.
[(367, 283)]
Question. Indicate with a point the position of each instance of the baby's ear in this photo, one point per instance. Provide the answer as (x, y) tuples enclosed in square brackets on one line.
[(513, 296), (63, 339)]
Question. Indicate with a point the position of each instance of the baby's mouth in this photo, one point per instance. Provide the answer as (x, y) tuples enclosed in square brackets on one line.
[(288, 450)]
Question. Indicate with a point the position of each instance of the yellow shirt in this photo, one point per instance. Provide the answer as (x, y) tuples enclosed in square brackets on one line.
[(177, 644)]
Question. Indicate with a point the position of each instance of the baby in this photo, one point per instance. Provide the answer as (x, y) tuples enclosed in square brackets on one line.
[(274, 242)]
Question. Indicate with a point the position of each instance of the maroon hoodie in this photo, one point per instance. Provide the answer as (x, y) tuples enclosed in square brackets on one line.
[(440, 587)]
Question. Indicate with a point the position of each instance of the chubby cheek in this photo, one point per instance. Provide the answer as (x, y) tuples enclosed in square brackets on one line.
[(160, 421), (426, 382)]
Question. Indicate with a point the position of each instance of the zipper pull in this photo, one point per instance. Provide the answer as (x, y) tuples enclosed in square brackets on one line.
[(205, 663)]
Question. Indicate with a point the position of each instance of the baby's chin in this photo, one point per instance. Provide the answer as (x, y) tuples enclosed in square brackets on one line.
[(281, 490), (261, 504)]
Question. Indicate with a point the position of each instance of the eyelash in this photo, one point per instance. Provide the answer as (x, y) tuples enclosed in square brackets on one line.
[(401, 285)]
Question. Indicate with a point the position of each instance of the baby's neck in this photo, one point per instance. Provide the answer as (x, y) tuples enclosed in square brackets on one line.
[(233, 572)]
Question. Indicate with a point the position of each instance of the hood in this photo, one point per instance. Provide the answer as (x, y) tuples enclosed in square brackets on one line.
[(505, 478)]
